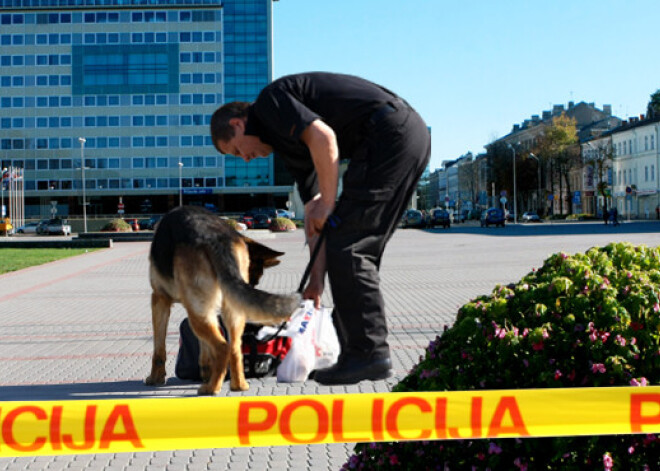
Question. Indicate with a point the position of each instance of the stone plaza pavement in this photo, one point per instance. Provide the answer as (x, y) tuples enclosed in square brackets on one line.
[(80, 328)]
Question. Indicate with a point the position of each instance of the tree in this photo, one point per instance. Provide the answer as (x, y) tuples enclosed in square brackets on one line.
[(653, 108), (558, 146)]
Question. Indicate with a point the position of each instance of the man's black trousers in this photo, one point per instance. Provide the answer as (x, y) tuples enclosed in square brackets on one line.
[(377, 187)]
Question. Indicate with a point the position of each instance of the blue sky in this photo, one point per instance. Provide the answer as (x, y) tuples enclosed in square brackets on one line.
[(474, 68)]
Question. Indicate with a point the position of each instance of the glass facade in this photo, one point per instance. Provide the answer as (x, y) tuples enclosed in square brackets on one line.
[(139, 82)]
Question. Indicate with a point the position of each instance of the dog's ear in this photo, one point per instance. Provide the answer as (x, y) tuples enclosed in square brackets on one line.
[(258, 251), (261, 257)]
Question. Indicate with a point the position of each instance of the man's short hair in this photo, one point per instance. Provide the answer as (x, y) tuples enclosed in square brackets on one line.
[(221, 130)]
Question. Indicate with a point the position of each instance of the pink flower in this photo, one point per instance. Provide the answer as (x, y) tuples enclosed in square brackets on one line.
[(545, 334), (639, 382), (629, 274), (557, 375), (621, 340), (598, 368), (608, 463), (656, 307), (494, 449), (631, 450)]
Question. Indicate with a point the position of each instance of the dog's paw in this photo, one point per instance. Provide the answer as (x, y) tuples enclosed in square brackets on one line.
[(155, 380), (243, 386), (206, 390)]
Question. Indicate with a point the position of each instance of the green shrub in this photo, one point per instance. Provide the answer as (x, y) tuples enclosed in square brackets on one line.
[(230, 222), (584, 320), (282, 225), (117, 225)]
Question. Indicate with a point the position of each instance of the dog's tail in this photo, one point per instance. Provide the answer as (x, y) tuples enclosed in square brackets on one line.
[(259, 306)]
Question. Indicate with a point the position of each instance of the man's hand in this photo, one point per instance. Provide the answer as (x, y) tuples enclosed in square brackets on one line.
[(313, 291), (317, 212)]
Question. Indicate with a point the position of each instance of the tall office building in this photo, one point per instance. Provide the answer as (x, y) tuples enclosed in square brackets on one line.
[(130, 86)]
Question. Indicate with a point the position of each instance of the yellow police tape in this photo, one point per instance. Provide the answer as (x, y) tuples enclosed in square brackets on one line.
[(150, 424)]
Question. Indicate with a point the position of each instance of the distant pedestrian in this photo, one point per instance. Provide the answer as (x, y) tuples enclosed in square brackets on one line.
[(657, 211), (615, 216), (606, 215)]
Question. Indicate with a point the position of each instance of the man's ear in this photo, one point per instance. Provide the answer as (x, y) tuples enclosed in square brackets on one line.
[(237, 123)]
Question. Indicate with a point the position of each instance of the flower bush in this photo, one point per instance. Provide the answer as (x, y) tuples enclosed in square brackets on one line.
[(117, 225), (282, 225), (583, 320)]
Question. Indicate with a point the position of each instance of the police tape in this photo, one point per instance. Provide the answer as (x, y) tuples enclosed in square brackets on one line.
[(156, 424)]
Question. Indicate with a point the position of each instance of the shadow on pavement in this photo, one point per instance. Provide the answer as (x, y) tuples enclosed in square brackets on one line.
[(91, 391), (558, 228)]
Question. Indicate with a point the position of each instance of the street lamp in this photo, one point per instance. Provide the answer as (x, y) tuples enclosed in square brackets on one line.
[(180, 184), (515, 191), (538, 165), (82, 141)]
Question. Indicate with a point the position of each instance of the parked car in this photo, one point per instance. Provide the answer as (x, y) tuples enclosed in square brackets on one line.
[(492, 217), (42, 226), (261, 221), (149, 224), (413, 218), (58, 226), (29, 228), (283, 213), (270, 212), (440, 217), (248, 221), (530, 216)]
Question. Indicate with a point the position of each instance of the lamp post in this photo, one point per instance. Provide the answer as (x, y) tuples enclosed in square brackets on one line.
[(515, 191), (2, 191), (82, 141), (538, 165), (180, 184)]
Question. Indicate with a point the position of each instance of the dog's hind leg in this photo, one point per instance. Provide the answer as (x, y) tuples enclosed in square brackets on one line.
[(161, 304), (205, 364), (208, 332), (235, 327), (200, 294)]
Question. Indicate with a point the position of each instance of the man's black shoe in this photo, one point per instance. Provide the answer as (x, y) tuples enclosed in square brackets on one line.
[(353, 370)]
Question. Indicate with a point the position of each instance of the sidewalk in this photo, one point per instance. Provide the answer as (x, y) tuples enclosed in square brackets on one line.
[(80, 328)]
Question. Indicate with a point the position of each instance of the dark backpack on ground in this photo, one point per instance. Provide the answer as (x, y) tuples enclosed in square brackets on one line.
[(260, 357)]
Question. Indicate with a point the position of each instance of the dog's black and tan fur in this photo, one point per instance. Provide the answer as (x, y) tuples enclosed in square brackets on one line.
[(201, 262)]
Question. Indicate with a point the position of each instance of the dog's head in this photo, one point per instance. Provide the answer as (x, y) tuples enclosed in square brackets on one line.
[(261, 257)]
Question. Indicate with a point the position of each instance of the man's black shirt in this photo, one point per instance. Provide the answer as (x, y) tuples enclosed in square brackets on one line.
[(285, 108)]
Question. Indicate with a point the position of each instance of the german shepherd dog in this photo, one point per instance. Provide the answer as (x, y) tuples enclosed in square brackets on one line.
[(200, 261)]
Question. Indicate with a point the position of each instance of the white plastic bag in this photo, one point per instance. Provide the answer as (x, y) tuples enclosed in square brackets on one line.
[(325, 336), (314, 343)]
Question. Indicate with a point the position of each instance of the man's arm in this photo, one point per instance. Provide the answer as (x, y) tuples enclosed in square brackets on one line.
[(322, 143)]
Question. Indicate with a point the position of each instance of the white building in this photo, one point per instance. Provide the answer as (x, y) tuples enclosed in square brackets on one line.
[(636, 191)]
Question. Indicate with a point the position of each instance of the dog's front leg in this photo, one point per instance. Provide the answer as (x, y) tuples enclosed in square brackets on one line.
[(160, 316)]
